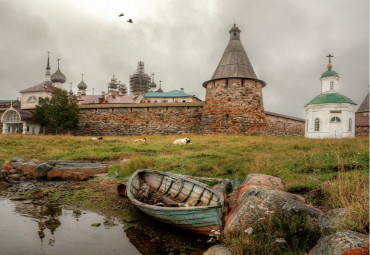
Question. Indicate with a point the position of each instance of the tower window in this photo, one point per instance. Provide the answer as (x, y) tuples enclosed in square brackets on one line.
[(234, 34), (331, 85), (317, 124), (335, 119), (350, 125)]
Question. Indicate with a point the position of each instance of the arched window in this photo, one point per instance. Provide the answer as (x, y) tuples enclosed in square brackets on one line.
[(331, 85), (335, 119), (350, 125), (317, 124), (32, 99), (12, 116)]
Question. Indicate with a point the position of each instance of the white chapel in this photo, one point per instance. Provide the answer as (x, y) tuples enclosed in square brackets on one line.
[(330, 114)]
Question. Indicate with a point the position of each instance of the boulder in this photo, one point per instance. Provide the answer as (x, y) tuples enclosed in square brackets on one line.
[(313, 215), (75, 170), (17, 160), (265, 180), (256, 201), (231, 198), (3, 175), (14, 177), (224, 187), (42, 170), (7, 166), (16, 164), (36, 161), (358, 251), (217, 250), (339, 242), (29, 168), (13, 171), (329, 222)]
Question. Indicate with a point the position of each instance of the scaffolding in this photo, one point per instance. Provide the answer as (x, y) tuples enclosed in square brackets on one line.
[(139, 81)]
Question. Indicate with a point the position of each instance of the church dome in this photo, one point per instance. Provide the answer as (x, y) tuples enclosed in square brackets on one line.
[(82, 85), (152, 85), (58, 76), (329, 73), (331, 98)]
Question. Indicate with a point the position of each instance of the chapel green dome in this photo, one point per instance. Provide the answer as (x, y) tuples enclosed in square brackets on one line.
[(329, 73), (331, 98)]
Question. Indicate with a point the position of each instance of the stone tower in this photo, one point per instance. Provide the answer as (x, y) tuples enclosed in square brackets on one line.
[(234, 103)]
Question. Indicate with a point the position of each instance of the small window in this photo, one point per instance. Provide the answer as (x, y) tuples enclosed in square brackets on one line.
[(184, 101), (32, 99), (317, 124), (331, 85), (227, 115), (335, 119), (234, 34), (350, 125)]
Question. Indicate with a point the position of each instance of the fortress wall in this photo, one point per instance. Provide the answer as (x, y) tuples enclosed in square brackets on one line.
[(140, 119), (280, 125)]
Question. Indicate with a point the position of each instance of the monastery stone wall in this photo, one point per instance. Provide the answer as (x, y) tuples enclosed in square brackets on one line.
[(233, 106), (280, 125), (140, 119), (362, 131)]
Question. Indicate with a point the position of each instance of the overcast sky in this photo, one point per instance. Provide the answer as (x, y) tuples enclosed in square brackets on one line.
[(182, 41)]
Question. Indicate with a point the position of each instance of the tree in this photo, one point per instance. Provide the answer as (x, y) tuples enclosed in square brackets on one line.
[(59, 113)]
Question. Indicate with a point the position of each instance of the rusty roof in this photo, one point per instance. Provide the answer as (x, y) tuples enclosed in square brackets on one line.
[(124, 99), (44, 86)]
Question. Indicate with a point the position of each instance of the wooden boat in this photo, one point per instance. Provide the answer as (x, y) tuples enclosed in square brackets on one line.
[(202, 207)]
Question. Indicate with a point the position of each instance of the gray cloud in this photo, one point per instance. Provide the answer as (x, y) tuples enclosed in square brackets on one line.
[(183, 41)]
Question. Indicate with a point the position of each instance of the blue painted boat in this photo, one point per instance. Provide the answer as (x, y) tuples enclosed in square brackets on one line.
[(201, 207)]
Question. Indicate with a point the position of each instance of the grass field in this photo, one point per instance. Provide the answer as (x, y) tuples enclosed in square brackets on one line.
[(339, 168)]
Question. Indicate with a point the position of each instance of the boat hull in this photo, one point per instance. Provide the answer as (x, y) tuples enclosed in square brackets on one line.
[(200, 219)]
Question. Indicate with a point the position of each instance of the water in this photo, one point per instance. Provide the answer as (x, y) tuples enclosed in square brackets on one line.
[(37, 229)]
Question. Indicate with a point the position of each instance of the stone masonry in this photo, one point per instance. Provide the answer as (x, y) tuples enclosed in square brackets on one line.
[(139, 119), (233, 106)]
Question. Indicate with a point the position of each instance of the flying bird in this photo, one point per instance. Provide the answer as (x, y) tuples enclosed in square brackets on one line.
[(121, 15), (129, 21)]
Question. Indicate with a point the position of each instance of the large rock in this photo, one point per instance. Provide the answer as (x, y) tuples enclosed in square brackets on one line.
[(7, 166), (3, 185), (42, 170), (224, 187), (15, 165), (29, 168), (313, 215), (257, 201), (75, 170), (15, 159), (265, 180), (217, 250), (329, 222), (339, 242)]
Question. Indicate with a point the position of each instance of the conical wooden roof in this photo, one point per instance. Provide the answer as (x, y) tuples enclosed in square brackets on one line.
[(234, 62), (364, 107)]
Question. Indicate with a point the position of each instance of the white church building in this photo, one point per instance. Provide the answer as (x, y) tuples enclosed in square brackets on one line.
[(330, 114)]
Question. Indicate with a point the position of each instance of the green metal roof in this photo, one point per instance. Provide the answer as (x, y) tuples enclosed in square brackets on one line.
[(8, 101), (329, 73), (173, 93), (330, 98)]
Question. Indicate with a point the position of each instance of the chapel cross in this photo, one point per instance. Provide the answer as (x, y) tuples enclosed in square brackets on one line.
[(329, 56), (58, 62)]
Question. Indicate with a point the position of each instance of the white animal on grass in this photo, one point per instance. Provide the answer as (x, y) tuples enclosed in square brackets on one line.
[(96, 138), (182, 141), (141, 140)]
